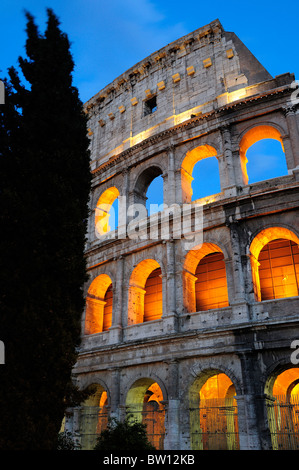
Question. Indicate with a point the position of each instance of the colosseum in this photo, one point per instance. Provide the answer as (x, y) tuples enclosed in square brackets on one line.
[(191, 319)]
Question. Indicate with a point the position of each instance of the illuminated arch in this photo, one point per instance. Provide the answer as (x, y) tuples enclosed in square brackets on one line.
[(252, 136), (213, 412), (103, 208), (262, 239), (99, 302), (191, 158), (204, 278), (282, 401), (144, 403), (143, 181), (94, 415), (145, 292)]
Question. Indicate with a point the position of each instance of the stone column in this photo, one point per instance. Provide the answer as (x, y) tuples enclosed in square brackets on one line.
[(227, 175), (189, 291), (239, 302), (288, 151), (94, 316), (123, 207), (172, 418), (171, 314), (115, 393), (116, 328), (136, 304), (290, 114), (170, 192), (252, 421), (76, 427), (237, 265)]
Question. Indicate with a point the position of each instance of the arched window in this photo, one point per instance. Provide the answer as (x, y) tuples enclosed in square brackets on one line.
[(274, 263), (279, 269), (206, 180), (204, 279), (265, 160), (99, 302), (154, 196), (153, 296), (282, 392), (145, 293), (211, 284), (93, 418), (213, 413), (106, 213), (144, 403), (262, 154), (194, 181), (149, 187)]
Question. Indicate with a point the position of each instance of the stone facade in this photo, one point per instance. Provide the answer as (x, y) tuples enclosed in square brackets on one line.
[(200, 96)]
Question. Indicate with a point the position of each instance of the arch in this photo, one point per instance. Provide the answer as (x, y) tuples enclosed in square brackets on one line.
[(99, 302), (202, 186), (202, 265), (263, 238), (144, 403), (143, 181), (154, 195), (139, 292), (253, 135), (192, 157), (282, 402), (94, 415), (103, 210), (213, 412)]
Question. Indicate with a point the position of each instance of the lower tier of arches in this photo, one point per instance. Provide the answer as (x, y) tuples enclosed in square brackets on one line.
[(215, 411)]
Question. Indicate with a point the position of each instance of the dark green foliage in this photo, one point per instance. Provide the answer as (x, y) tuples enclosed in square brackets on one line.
[(65, 441), (124, 436), (44, 191)]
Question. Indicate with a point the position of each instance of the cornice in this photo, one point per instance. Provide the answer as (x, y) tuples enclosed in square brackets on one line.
[(189, 124)]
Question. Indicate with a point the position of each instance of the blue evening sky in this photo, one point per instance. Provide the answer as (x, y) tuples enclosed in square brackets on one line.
[(108, 37)]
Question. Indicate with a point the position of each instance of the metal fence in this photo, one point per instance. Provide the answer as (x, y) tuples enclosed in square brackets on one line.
[(93, 420), (214, 425), (153, 416), (283, 416)]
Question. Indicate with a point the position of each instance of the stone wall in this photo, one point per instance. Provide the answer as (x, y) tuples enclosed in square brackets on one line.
[(213, 98)]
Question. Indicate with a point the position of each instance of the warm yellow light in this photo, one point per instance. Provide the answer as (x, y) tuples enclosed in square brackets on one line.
[(98, 315), (145, 292), (236, 95), (102, 210)]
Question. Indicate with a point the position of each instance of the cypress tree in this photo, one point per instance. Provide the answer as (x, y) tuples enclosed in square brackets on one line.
[(45, 185)]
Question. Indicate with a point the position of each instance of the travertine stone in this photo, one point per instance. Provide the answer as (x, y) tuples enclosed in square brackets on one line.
[(213, 99)]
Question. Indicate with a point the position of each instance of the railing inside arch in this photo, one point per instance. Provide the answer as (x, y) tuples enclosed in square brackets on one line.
[(214, 425), (283, 416), (153, 416), (93, 420)]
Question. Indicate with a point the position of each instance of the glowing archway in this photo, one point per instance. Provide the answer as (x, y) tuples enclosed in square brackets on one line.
[(102, 212), (99, 300), (144, 403), (94, 416), (213, 412), (282, 389), (252, 136), (145, 292), (262, 239), (204, 278), (191, 158)]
